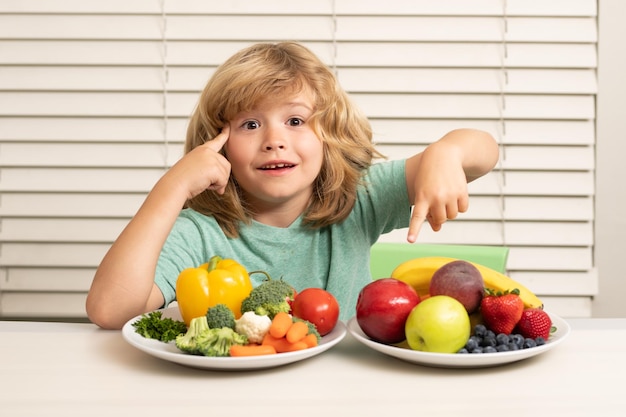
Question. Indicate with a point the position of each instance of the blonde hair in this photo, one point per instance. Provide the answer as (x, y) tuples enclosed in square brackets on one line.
[(285, 69)]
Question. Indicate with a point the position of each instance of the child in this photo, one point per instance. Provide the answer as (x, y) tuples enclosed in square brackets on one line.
[(278, 174)]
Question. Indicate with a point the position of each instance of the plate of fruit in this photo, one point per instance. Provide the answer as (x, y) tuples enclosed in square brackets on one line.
[(451, 313)]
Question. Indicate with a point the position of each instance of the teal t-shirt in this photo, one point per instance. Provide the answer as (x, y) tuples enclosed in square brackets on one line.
[(335, 257)]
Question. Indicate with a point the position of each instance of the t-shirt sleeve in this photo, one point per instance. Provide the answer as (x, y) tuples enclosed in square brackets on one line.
[(383, 201), (183, 248)]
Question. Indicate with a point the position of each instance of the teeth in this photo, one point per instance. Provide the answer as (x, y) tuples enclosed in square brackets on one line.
[(275, 166)]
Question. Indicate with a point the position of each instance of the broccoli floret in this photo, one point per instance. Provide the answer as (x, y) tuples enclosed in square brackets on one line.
[(311, 326), (217, 342), (269, 298), (220, 316), (188, 342)]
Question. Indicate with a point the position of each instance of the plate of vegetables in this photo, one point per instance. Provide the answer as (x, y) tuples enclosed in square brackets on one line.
[(169, 320)]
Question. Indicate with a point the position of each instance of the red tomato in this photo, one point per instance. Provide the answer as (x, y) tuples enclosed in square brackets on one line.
[(317, 306)]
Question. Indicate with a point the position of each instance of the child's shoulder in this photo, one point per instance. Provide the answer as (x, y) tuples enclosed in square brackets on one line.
[(193, 217), (386, 169)]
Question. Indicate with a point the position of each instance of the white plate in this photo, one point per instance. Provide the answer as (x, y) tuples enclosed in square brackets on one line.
[(169, 351), (457, 360)]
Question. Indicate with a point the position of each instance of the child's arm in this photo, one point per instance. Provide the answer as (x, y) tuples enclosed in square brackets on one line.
[(437, 178), (123, 286)]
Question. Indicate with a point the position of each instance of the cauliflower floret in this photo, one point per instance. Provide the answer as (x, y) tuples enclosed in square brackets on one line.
[(253, 326)]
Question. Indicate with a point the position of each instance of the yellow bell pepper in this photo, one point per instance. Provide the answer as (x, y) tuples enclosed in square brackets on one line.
[(220, 281)]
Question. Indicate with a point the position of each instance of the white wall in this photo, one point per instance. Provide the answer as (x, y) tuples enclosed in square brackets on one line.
[(610, 154)]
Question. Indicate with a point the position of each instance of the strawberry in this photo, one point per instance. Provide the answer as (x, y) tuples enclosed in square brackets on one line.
[(534, 323), (501, 310)]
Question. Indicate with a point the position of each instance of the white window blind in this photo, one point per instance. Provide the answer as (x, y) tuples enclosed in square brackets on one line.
[(94, 100)]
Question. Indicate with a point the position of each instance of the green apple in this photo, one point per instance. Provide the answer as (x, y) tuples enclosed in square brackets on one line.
[(439, 324)]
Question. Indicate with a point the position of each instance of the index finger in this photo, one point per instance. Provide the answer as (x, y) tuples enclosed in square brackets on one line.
[(418, 217), (218, 142)]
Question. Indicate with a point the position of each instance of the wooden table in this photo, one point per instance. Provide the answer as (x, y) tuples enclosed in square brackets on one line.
[(71, 369)]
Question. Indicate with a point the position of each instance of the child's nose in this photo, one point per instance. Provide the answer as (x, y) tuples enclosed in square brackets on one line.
[(274, 139)]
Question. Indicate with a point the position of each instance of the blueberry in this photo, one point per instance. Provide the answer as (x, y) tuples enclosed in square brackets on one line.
[(503, 348), (480, 330), (503, 339), (513, 346), (489, 341), (472, 344), (463, 350), (529, 343), (490, 334), (477, 350), (540, 341), (489, 349), (518, 339)]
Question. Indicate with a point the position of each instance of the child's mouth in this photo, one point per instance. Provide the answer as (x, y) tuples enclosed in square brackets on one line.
[(276, 166)]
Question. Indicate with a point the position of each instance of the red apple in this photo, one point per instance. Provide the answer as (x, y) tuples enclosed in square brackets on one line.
[(383, 307)]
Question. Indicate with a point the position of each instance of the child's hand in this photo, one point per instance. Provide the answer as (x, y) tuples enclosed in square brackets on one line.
[(203, 168), (439, 189)]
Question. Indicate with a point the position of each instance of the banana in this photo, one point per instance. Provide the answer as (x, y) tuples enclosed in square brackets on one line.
[(418, 272)]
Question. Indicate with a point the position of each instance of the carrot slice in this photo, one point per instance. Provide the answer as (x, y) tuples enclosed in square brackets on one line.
[(297, 332), (252, 350), (280, 325), (310, 340), (282, 345)]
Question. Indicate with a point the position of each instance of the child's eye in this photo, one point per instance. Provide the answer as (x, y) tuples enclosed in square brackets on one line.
[(295, 121), (250, 124)]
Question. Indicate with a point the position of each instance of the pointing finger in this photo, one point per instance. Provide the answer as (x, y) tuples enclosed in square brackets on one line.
[(218, 142), (417, 219)]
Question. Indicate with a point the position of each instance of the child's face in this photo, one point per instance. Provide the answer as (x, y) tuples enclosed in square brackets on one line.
[(275, 156)]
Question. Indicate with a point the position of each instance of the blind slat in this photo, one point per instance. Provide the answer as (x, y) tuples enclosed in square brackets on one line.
[(451, 54), (348, 54), (32, 304), (80, 205), (91, 205), (522, 132), (550, 258), (476, 106), (88, 129), (475, 7), (400, 80), (477, 29), (60, 230), (66, 255), (305, 27), (422, 7), (78, 179), (454, 80), (546, 158), (545, 234), (91, 155), (58, 279), (81, 52), (560, 283), (41, 26)]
